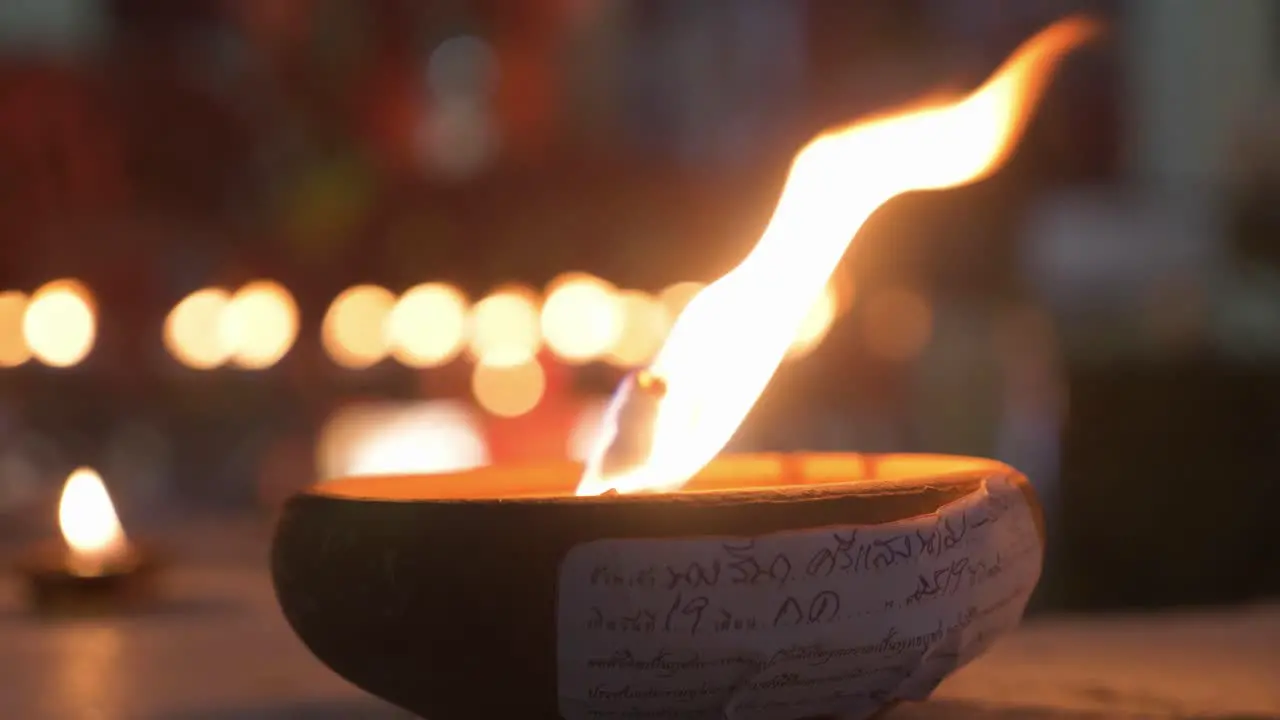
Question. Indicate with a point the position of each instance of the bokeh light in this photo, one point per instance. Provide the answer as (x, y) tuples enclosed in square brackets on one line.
[(645, 324), (259, 325), (393, 438), (428, 325), (354, 331), (192, 329), (506, 328), (60, 323), (675, 297), (13, 344), (581, 317), (508, 390), (898, 324), (816, 324), (463, 65), (460, 138)]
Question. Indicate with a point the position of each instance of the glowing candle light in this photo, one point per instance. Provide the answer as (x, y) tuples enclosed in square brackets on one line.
[(88, 522)]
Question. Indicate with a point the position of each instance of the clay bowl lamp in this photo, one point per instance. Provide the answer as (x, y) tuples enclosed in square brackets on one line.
[(446, 594)]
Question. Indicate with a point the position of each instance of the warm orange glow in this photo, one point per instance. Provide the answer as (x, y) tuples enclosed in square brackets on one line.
[(897, 324), (354, 331), (581, 318), (88, 521), (191, 330), (435, 436), (505, 328), (949, 478), (508, 390), (60, 323), (730, 339), (816, 324), (675, 298), (645, 324), (428, 325), (259, 325), (13, 346)]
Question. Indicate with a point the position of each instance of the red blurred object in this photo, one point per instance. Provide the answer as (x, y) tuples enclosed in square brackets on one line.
[(278, 27), (542, 434), (394, 112), (60, 146), (530, 40)]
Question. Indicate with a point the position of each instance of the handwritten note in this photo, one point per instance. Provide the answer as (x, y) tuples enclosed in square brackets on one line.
[(836, 621)]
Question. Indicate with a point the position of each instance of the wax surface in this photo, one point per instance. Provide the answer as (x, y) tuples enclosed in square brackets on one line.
[(725, 474)]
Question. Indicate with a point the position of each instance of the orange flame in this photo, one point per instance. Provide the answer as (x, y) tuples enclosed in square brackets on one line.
[(728, 342), (88, 521)]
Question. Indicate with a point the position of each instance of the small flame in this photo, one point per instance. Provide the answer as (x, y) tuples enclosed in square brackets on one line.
[(728, 342), (87, 518)]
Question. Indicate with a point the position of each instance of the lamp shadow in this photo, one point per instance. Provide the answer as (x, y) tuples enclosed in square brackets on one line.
[(364, 709)]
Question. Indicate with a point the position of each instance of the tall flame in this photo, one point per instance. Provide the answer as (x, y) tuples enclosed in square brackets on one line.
[(88, 519), (726, 345)]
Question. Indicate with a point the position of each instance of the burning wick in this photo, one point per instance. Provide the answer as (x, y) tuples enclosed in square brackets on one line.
[(663, 426), (627, 426)]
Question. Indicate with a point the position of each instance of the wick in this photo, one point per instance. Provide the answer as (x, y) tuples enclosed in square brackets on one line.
[(610, 492), (650, 383)]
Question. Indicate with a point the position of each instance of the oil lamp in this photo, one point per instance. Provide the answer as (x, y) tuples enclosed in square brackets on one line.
[(663, 579), (95, 568)]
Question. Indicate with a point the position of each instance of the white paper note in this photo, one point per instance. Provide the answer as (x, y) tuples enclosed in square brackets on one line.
[(830, 622)]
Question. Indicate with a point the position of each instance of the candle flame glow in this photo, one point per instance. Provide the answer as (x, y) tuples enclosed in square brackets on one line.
[(88, 519), (727, 343)]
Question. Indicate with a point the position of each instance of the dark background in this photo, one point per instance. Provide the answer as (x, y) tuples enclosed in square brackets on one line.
[(151, 147)]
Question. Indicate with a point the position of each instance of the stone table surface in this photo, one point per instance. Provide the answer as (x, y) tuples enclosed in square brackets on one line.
[(220, 650)]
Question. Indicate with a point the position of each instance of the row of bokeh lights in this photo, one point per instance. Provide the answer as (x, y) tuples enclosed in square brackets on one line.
[(56, 325), (578, 317)]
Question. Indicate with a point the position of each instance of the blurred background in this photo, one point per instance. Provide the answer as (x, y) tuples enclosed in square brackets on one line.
[(250, 244)]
